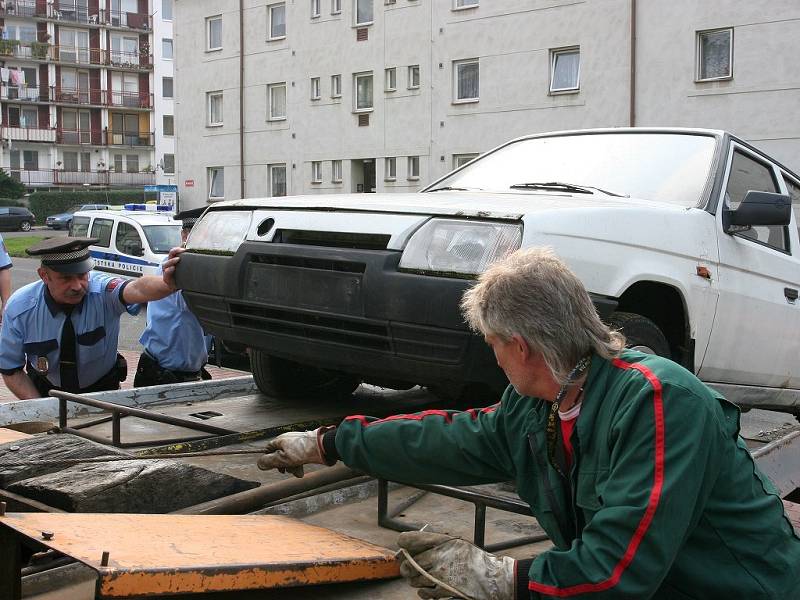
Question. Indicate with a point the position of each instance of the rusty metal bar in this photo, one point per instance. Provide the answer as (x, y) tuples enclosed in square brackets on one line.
[(115, 429), (254, 499), (88, 424), (16, 503)]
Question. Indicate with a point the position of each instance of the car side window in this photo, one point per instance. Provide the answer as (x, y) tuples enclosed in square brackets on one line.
[(128, 240), (748, 174), (79, 227), (4, 211), (101, 229), (794, 193)]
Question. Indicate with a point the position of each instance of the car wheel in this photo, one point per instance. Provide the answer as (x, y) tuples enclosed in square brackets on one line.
[(25, 226), (640, 333), (283, 378)]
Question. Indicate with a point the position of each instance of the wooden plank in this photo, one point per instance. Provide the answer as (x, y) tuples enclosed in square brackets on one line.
[(175, 554), (7, 436)]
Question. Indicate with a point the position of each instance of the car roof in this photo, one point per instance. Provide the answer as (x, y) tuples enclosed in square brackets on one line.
[(141, 217)]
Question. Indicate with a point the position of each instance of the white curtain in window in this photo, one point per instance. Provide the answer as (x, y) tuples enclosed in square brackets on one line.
[(277, 101), (278, 21), (363, 11), (468, 80), (217, 182), (715, 48), (565, 70), (279, 180), (364, 92), (215, 33)]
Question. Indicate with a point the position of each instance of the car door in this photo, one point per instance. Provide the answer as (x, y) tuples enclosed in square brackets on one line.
[(6, 218), (754, 337)]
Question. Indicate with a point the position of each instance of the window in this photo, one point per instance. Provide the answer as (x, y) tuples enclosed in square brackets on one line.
[(363, 12), (168, 164), (315, 88), (277, 180), (70, 161), (336, 86), (214, 33), (465, 4), (390, 79), (101, 229), (118, 168), (214, 104), (216, 183), (413, 167), (86, 162), (715, 54), (336, 171), (794, 192), (315, 8), (277, 21), (132, 163), (749, 174), (565, 70), (28, 117), (128, 240), (168, 124), (363, 85), (166, 48), (316, 171), (166, 10), (460, 160), (124, 50), (276, 94), (466, 81), (74, 46), (336, 7), (166, 87), (390, 168), (413, 77)]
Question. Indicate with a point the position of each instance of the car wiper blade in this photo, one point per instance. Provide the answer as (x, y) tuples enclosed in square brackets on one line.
[(560, 186), (448, 188)]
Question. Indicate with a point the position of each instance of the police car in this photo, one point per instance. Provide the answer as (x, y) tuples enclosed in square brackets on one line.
[(132, 242)]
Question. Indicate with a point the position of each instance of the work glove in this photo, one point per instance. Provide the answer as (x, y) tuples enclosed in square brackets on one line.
[(290, 451), (468, 571)]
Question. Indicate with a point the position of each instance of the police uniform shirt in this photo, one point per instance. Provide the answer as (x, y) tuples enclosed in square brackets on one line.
[(33, 322), (5, 259), (173, 335)]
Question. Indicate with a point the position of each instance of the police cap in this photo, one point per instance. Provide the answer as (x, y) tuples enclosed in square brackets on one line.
[(190, 217), (65, 255)]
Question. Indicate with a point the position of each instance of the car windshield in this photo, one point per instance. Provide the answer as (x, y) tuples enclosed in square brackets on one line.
[(73, 209), (666, 167), (162, 238)]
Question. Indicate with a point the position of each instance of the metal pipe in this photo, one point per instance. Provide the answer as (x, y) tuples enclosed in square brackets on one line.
[(632, 84), (241, 100), (134, 412), (247, 501)]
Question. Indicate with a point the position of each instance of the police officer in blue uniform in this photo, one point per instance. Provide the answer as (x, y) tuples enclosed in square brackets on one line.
[(62, 332), (5, 276), (175, 347)]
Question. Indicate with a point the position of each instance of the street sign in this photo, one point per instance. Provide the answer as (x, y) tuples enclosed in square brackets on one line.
[(189, 183), (168, 198)]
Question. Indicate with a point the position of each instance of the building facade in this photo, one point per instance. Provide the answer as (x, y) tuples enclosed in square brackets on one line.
[(340, 96), (77, 97)]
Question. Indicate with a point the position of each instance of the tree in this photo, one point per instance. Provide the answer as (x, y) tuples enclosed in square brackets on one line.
[(10, 188)]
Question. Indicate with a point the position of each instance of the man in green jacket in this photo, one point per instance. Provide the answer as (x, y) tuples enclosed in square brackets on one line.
[(632, 466)]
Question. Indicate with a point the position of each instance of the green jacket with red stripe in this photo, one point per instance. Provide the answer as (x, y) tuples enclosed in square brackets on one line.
[(663, 499)]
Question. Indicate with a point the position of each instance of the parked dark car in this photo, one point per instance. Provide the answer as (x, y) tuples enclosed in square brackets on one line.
[(16, 217), (63, 220)]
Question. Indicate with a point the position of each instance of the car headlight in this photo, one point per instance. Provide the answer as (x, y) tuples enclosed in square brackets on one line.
[(219, 232), (455, 248)]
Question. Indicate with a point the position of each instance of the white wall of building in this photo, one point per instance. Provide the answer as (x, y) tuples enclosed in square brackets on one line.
[(163, 14)]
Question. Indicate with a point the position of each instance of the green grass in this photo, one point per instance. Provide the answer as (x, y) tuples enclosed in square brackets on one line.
[(16, 246)]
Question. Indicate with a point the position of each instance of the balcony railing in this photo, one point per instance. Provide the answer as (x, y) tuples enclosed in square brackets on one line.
[(130, 99), (26, 50), (23, 93), (20, 8), (130, 60), (77, 96), (74, 55), (47, 177), (71, 13), (116, 18), (79, 136), (29, 134), (97, 137), (114, 138)]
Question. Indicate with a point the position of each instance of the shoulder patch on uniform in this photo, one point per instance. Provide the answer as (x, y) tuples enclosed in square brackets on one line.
[(112, 284)]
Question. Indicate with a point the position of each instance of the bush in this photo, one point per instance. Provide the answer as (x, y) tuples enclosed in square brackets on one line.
[(11, 202), (43, 204), (10, 188)]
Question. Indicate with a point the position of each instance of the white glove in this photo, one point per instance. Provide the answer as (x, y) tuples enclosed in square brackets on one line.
[(476, 574), (290, 451)]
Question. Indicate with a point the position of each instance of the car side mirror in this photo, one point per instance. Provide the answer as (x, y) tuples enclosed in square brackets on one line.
[(757, 208)]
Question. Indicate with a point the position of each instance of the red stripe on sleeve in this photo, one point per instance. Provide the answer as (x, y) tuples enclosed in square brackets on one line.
[(447, 415), (652, 505)]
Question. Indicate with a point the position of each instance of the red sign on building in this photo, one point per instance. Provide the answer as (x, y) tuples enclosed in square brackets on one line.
[(188, 183)]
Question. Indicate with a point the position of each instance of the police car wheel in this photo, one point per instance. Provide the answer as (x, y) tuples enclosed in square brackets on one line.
[(281, 378), (25, 226)]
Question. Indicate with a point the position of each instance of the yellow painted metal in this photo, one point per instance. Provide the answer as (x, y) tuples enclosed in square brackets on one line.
[(170, 554), (8, 435)]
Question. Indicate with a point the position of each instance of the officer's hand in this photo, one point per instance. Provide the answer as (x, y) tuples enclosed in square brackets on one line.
[(462, 566), (168, 267), (290, 451)]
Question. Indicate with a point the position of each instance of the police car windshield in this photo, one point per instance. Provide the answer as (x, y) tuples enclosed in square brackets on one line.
[(162, 238)]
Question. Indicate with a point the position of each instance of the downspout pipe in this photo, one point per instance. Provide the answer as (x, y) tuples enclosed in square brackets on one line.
[(242, 193), (632, 82)]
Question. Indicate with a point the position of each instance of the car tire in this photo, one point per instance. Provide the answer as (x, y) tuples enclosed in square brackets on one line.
[(281, 378), (25, 226), (640, 333)]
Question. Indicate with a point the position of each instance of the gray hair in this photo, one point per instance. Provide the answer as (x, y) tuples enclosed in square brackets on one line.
[(532, 293)]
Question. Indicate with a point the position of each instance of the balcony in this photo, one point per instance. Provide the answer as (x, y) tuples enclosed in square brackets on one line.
[(132, 139), (29, 134), (25, 50), (50, 177), (77, 96), (115, 18), (23, 93), (130, 60), (20, 8), (79, 136), (73, 55), (129, 99)]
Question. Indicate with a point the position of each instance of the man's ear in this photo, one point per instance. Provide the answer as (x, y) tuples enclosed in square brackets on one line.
[(521, 347), (42, 272)]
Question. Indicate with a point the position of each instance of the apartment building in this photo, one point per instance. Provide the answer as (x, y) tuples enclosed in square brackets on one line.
[(77, 97), (338, 96)]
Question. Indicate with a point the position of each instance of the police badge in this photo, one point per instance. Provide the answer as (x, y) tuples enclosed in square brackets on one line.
[(41, 365)]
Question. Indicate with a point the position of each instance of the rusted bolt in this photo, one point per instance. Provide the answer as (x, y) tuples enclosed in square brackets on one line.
[(13, 448), (104, 559), (47, 535)]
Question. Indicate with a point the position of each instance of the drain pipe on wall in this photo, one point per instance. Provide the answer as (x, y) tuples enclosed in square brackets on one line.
[(632, 83), (241, 100)]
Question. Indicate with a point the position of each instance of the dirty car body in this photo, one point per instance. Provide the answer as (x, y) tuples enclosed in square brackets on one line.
[(686, 239)]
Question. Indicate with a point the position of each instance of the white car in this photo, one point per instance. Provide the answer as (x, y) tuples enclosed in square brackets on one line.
[(686, 239)]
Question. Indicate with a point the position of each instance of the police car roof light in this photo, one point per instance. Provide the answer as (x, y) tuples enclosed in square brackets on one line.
[(149, 207)]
